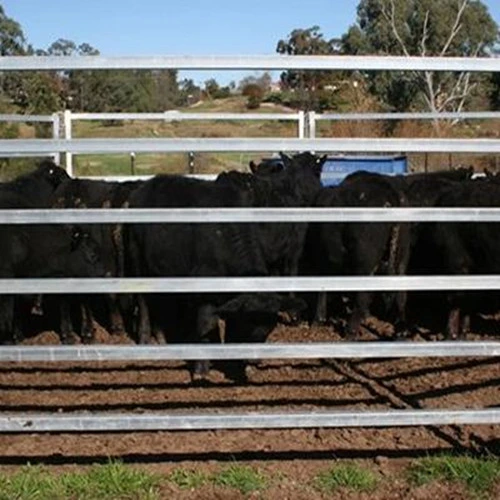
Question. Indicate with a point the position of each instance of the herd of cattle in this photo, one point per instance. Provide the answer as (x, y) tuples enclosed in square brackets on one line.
[(240, 249)]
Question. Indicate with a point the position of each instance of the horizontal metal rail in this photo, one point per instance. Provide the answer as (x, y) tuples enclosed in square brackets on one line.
[(246, 215), (175, 115), (230, 284), (26, 118), (464, 115), (110, 422), (125, 145), (125, 178), (314, 350), (251, 62), (26, 155)]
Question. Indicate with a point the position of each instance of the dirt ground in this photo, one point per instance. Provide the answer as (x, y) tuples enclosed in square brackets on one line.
[(271, 386)]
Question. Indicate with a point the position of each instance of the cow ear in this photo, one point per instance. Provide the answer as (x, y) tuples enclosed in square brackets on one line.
[(318, 164), (285, 159), (253, 167)]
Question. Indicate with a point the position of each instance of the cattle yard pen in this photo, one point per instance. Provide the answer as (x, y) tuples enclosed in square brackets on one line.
[(102, 421)]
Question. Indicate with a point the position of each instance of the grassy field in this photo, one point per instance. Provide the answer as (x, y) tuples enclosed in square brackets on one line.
[(463, 477)]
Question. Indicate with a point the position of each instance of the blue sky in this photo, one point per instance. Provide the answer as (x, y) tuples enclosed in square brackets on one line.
[(194, 27)]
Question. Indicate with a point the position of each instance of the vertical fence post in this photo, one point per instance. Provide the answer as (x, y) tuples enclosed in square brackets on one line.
[(301, 124), (56, 127), (190, 162), (67, 135), (132, 163), (312, 124)]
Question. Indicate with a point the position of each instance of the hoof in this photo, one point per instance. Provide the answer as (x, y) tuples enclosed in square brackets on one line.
[(68, 339), (144, 339), (87, 339), (117, 331)]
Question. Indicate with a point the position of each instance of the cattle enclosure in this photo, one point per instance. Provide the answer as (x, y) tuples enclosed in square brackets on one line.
[(410, 409)]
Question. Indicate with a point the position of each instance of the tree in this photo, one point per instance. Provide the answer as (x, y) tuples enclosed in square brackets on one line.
[(254, 94), (12, 40), (12, 43), (213, 90), (422, 28), (166, 93), (307, 84), (495, 84), (189, 92), (263, 81)]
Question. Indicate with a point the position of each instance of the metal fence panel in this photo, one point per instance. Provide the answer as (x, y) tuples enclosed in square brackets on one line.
[(337, 350), (143, 145), (230, 284), (110, 422), (252, 62), (247, 215)]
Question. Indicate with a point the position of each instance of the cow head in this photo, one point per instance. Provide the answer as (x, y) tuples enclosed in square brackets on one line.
[(53, 174), (85, 254), (267, 167), (304, 171), (251, 317)]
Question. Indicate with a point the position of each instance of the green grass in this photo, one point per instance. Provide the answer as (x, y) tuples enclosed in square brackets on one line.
[(188, 479), (350, 476), (113, 481), (244, 479), (478, 474)]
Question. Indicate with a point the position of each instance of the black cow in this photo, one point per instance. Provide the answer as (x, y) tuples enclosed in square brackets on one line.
[(188, 250), (229, 249), (250, 318), (294, 182), (44, 251), (34, 189), (465, 248), (87, 193), (40, 250), (361, 249)]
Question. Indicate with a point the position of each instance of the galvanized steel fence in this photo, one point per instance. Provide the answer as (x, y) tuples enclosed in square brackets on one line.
[(13, 422)]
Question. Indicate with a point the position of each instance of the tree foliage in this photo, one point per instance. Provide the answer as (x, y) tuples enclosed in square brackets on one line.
[(91, 91), (307, 85), (422, 28), (12, 39)]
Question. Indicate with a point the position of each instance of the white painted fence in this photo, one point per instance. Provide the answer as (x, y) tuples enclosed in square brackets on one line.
[(54, 118), (117, 421)]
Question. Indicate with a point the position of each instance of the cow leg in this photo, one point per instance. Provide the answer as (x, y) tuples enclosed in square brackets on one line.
[(144, 329), (453, 327), (6, 319), (66, 323), (87, 329), (116, 322), (360, 312), (321, 309), (159, 335), (464, 325), (401, 325), (207, 332), (37, 307)]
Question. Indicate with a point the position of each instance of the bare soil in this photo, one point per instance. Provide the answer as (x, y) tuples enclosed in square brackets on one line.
[(271, 386)]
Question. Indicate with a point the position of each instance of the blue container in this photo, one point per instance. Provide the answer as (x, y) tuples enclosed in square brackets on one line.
[(338, 167)]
